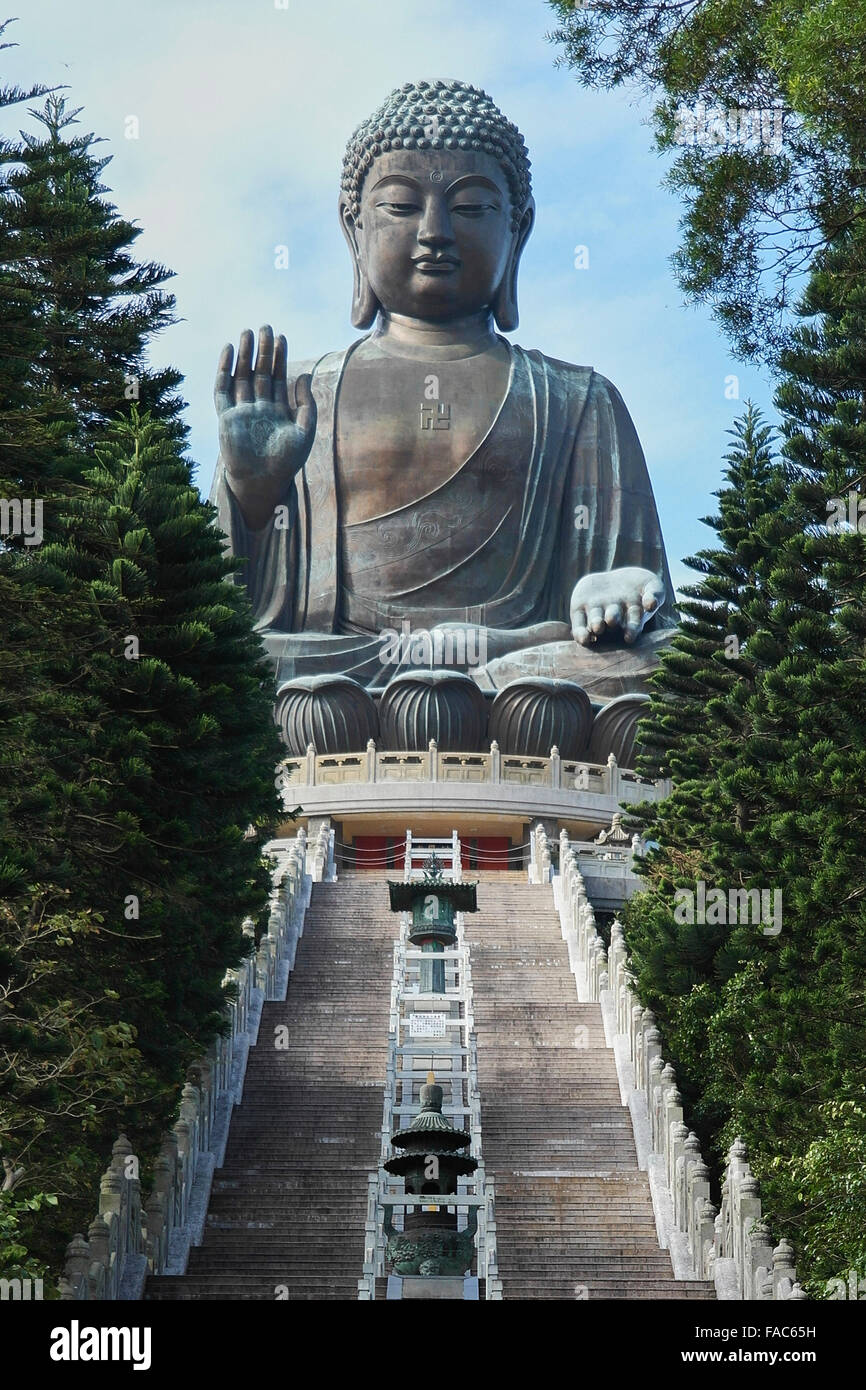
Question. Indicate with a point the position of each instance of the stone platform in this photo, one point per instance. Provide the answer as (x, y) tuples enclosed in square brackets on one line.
[(500, 792)]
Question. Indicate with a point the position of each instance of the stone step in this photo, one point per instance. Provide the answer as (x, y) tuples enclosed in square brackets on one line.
[(288, 1206), (547, 1103), (287, 1210)]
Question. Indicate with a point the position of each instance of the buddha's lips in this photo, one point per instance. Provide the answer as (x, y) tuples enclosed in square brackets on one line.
[(436, 263)]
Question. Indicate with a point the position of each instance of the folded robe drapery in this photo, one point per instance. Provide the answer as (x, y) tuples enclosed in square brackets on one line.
[(565, 493)]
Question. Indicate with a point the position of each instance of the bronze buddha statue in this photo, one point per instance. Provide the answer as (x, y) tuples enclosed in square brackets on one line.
[(433, 475)]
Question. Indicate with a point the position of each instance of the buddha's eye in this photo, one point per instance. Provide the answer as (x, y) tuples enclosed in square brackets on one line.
[(400, 209), (474, 209)]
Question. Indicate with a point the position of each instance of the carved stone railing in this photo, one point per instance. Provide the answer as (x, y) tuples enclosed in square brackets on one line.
[(130, 1239), (320, 856), (493, 768), (732, 1247), (540, 856), (418, 848)]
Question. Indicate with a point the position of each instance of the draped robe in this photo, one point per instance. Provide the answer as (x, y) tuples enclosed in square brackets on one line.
[(556, 489)]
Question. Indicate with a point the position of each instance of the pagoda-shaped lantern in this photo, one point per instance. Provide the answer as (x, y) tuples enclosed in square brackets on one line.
[(434, 1158), (617, 841), (433, 902)]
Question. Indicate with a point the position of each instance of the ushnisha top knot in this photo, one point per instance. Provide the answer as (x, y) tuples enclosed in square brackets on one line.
[(442, 115)]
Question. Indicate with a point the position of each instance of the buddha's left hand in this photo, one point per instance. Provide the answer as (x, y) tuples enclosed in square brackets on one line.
[(620, 601)]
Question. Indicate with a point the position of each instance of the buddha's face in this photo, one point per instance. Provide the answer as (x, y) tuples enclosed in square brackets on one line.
[(434, 237)]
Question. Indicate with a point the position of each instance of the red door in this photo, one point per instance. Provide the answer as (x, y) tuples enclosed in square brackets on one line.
[(487, 852), (379, 852), (371, 852), (493, 852)]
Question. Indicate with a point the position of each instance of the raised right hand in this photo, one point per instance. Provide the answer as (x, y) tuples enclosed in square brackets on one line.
[(261, 440)]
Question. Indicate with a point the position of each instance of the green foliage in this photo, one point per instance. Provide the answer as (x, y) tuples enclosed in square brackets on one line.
[(62, 1057), (828, 1182), (137, 743), (15, 1262), (96, 306), (769, 1030), (755, 211), (702, 731)]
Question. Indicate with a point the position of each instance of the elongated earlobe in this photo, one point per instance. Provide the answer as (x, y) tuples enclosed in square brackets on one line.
[(504, 305), (365, 305)]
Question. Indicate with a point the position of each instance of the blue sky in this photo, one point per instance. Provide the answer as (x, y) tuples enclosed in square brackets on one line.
[(243, 110)]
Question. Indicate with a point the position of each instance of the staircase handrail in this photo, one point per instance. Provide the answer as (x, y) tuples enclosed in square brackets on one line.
[(130, 1239), (731, 1246)]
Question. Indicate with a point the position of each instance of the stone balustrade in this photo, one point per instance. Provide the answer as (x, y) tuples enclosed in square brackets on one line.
[(320, 856), (417, 851), (731, 1246), (602, 860), (130, 1238), (493, 767)]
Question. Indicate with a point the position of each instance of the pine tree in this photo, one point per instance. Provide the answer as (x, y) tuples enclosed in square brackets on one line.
[(770, 1029), (812, 1007), (55, 1064), (137, 833), (699, 722), (98, 307), (132, 768), (19, 324), (184, 758), (79, 312)]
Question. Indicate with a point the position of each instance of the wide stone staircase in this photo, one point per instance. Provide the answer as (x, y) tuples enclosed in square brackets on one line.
[(288, 1207), (287, 1210), (573, 1210)]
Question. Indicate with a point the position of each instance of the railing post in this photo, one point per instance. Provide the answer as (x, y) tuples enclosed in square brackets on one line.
[(311, 765), (612, 776), (555, 767), (211, 1080), (732, 1247), (75, 1285), (784, 1273), (495, 763), (332, 871), (371, 761)]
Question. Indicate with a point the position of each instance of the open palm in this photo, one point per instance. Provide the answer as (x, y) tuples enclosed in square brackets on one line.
[(261, 437)]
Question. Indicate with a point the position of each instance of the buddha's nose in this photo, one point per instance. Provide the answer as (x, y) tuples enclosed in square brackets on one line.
[(435, 230)]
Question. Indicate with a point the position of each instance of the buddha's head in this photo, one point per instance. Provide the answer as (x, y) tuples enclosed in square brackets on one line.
[(436, 206)]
